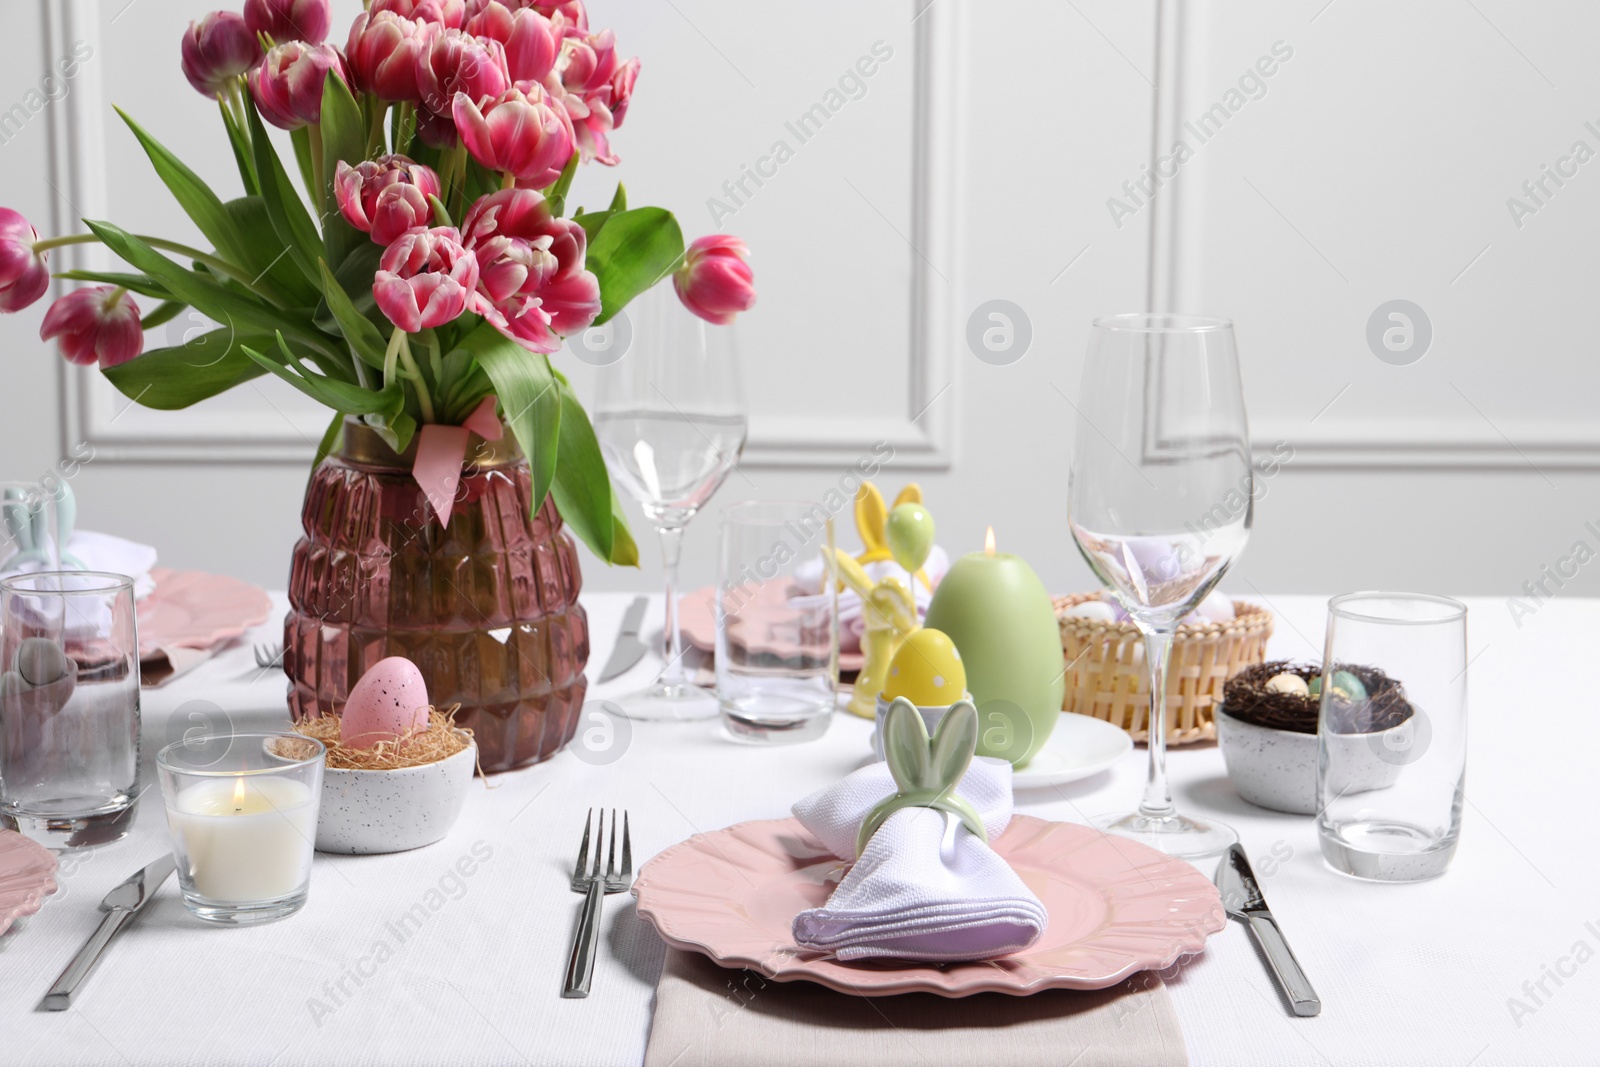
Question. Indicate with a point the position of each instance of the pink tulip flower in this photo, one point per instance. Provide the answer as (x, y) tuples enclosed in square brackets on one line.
[(99, 324), (385, 197), (531, 268), (216, 50), (569, 16), (383, 52), (288, 85), (532, 42), (451, 14), (622, 90), (595, 90), (518, 133), (436, 131), (715, 281), (592, 123), (289, 20), (426, 279), (24, 273), (456, 62), (588, 63)]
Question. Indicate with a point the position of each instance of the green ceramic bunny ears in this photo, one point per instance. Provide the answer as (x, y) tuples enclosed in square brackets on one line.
[(926, 771)]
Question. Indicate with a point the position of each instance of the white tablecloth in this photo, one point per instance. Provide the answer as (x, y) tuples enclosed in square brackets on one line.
[(406, 959)]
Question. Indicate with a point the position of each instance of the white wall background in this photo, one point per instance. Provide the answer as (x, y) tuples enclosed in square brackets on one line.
[(977, 165)]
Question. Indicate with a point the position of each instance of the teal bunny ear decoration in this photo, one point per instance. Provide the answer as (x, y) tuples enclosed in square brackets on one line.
[(926, 771)]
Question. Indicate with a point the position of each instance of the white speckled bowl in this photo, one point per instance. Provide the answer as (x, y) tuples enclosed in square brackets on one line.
[(368, 812), (1277, 769)]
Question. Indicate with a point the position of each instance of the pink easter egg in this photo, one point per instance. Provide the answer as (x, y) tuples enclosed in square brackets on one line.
[(390, 699)]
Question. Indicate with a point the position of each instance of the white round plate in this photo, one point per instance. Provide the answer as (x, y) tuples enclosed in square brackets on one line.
[(1079, 746)]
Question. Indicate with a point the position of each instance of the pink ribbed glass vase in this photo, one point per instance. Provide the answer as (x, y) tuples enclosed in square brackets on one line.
[(487, 607)]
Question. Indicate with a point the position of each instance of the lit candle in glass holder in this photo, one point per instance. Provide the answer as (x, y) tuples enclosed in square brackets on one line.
[(243, 816)]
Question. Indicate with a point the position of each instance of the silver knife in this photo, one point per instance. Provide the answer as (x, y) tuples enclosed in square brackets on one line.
[(1241, 896), (120, 906), (628, 649)]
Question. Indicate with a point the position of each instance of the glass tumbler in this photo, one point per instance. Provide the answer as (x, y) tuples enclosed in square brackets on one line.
[(242, 809), (69, 706), (1392, 737), (777, 610)]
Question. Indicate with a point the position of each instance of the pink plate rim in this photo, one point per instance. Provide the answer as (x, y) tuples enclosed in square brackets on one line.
[(27, 876), (701, 895), (205, 608)]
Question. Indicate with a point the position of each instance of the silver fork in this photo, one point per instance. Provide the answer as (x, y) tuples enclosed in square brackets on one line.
[(594, 887), (268, 656)]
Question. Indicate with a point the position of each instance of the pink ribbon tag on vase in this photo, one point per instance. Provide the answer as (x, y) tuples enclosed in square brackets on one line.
[(441, 451), (483, 421)]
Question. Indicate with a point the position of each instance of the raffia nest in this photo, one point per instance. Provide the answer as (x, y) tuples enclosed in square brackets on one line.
[(1247, 698), (440, 740)]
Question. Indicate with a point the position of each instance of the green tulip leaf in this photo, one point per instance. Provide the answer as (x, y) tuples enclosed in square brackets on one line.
[(142, 284), (633, 251), (231, 307), (344, 137), (202, 205), (285, 209), (624, 550), (265, 256), (202, 367), (529, 395), (365, 338), (226, 305), (164, 313), (341, 396), (582, 487), (242, 157), (331, 437), (557, 193)]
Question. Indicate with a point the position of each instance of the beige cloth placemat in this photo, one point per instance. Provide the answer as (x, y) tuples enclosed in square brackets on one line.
[(709, 1016)]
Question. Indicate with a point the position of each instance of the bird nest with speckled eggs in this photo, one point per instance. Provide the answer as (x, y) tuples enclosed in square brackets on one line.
[(1284, 696), (439, 740)]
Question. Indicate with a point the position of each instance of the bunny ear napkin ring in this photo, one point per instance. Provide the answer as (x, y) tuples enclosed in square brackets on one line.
[(926, 771)]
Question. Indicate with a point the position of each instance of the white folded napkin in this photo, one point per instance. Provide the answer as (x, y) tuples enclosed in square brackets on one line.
[(92, 551), (87, 550), (925, 888)]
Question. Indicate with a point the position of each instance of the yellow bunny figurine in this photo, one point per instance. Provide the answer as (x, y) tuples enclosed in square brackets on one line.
[(889, 616)]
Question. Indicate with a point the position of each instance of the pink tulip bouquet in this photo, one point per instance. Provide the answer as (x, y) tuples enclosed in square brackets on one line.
[(430, 268)]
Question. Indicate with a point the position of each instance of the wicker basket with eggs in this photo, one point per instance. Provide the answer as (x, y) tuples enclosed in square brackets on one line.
[(1106, 675)]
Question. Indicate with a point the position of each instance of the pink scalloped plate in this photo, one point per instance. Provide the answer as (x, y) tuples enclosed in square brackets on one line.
[(193, 609), (27, 876), (697, 621), (1115, 906)]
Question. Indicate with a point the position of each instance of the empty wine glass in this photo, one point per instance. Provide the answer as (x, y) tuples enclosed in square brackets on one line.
[(1160, 503), (670, 417)]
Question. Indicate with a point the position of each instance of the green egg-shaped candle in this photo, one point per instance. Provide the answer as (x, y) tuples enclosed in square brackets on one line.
[(993, 606)]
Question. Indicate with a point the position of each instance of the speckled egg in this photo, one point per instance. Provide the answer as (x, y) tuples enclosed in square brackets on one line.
[(927, 670), (1288, 683), (390, 699)]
